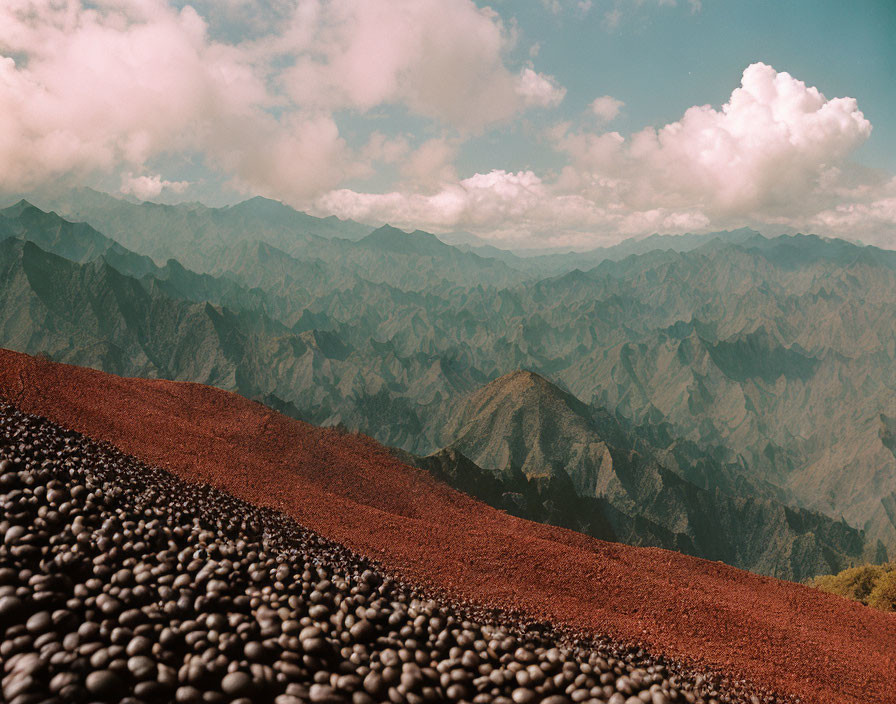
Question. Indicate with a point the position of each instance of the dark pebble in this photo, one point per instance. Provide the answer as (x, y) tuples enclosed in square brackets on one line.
[(104, 683)]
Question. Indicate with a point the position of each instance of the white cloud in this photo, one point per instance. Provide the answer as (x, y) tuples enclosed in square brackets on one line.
[(865, 210), (147, 187), (108, 86), (763, 152), (769, 155), (442, 59), (481, 201), (431, 164), (606, 108), (539, 90), (385, 149), (847, 215), (514, 208), (113, 87)]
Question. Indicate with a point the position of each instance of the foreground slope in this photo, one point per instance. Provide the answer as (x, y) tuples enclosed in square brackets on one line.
[(352, 490), (105, 557)]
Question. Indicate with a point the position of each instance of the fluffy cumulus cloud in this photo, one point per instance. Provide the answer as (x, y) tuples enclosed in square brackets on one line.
[(867, 210), (110, 86), (606, 108), (765, 149), (508, 206), (443, 60), (431, 163), (515, 209), (539, 90), (145, 187), (768, 155)]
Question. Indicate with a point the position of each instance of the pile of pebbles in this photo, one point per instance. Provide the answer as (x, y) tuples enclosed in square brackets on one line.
[(121, 583)]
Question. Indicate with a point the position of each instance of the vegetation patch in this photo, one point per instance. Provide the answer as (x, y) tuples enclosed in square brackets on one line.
[(873, 585)]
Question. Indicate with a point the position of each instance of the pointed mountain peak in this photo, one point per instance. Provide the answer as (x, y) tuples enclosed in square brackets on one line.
[(742, 234), (574, 277), (525, 388), (326, 342), (523, 421), (261, 200), (386, 233), (259, 203), (522, 377), (23, 206), (417, 242), (421, 234), (268, 210)]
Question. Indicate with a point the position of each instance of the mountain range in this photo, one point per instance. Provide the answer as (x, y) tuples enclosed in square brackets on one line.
[(727, 395)]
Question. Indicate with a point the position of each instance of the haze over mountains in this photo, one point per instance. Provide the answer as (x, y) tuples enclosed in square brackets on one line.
[(729, 395)]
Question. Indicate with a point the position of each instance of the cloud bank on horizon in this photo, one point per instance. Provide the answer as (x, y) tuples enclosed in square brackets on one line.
[(359, 108)]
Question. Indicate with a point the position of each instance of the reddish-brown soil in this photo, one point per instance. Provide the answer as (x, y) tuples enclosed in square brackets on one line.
[(782, 635)]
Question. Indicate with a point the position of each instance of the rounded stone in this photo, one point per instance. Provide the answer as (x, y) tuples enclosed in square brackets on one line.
[(104, 683), (236, 684)]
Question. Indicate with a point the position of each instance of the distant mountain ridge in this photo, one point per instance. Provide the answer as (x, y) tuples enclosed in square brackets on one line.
[(553, 263), (175, 231), (74, 240)]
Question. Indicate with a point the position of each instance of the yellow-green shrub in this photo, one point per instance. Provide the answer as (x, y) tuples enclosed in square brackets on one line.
[(883, 596), (853, 583)]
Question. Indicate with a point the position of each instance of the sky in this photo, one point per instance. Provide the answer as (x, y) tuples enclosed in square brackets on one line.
[(539, 123)]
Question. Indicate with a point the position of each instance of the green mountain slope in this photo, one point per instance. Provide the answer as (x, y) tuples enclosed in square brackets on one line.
[(73, 240)]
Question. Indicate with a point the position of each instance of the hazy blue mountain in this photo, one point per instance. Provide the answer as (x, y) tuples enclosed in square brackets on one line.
[(278, 216), (554, 263), (215, 240), (193, 233), (76, 241)]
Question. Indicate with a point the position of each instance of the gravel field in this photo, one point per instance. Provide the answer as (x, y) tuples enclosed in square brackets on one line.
[(121, 582)]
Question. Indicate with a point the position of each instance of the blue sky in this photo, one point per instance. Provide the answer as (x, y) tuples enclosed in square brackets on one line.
[(662, 59), (449, 115)]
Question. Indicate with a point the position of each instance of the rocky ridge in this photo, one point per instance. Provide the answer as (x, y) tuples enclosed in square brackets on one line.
[(526, 446)]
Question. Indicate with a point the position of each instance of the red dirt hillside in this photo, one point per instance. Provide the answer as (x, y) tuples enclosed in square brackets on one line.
[(349, 488)]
